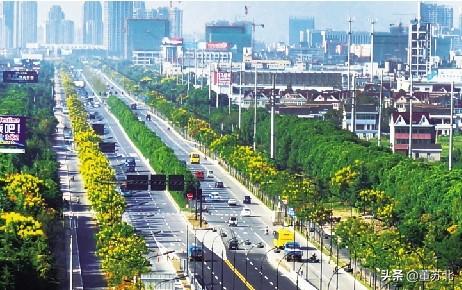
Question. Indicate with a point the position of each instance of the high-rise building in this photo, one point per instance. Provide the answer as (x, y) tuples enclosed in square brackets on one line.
[(460, 24), (28, 22), (117, 13), (8, 23), (440, 16), (419, 48), (145, 35), (58, 29), (237, 36), (68, 31), (139, 10), (92, 23), (19, 23), (391, 46), (175, 17), (298, 29)]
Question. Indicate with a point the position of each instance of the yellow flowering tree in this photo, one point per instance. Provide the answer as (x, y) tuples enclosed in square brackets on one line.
[(24, 191)]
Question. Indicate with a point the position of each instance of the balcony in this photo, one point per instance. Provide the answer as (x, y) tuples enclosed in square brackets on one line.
[(417, 136)]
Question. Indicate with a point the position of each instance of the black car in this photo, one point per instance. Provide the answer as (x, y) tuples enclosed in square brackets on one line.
[(247, 199), (219, 184), (233, 244)]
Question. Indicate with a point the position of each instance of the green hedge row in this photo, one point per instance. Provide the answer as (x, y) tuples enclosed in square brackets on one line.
[(161, 157)]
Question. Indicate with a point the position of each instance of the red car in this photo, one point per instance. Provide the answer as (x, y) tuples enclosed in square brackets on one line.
[(199, 175)]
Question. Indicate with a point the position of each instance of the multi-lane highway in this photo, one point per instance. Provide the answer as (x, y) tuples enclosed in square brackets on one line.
[(257, 268)]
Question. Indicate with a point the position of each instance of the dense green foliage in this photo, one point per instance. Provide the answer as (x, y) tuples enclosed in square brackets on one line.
[(161, 158), (30, 200), (121, 250), (417, 204)]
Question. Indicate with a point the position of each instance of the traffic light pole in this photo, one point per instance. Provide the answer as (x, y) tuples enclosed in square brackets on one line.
[(196, 196), (200, 222)]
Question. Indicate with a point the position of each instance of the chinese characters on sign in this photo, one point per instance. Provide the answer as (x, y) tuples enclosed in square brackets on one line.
[(414, 276), (13, 76), (222, 78), (12, 134)]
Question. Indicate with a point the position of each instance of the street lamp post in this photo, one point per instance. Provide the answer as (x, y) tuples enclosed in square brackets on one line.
[(261, 265), (330, 280), (203, 257), (277, 270), (247, 259), (298, 274), (255, 112), (211, 274)]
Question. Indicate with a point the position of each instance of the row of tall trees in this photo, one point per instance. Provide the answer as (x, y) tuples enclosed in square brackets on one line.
[(417, 201), (30, 200), (121, 250), (162, 159)]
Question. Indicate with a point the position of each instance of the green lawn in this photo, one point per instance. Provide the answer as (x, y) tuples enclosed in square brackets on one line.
[(457, 145)]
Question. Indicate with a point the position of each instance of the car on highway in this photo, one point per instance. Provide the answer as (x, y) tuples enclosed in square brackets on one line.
[(233, 244), (246, 211), (210, 174), (214, 195), (195, 253), (232, 221), (199, 175), (219, 184), (293, 252), (232, 202), (130, 164), (194, 158)]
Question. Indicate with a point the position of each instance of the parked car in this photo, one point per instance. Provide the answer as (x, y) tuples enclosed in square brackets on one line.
[(246, 211)]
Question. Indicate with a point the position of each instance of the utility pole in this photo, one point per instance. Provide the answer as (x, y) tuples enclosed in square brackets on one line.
[(353, 106), (210, 85), (71, 269), (240, 99), (349, 45), (273, 97), (410, 120), (255, 112), (373, 21), (230, 86), (451, 123), (218, 84), (195, 63), (380, 110)]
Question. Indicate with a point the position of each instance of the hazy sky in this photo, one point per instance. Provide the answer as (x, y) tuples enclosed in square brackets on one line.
[(275, 14)]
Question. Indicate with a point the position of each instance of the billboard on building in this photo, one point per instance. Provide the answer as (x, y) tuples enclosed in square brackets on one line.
[(13, 76), (12, 134), (221, 78), (221, 46), (172, 41)]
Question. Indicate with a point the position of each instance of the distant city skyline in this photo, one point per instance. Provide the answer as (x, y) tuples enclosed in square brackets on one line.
[(274, 14)]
